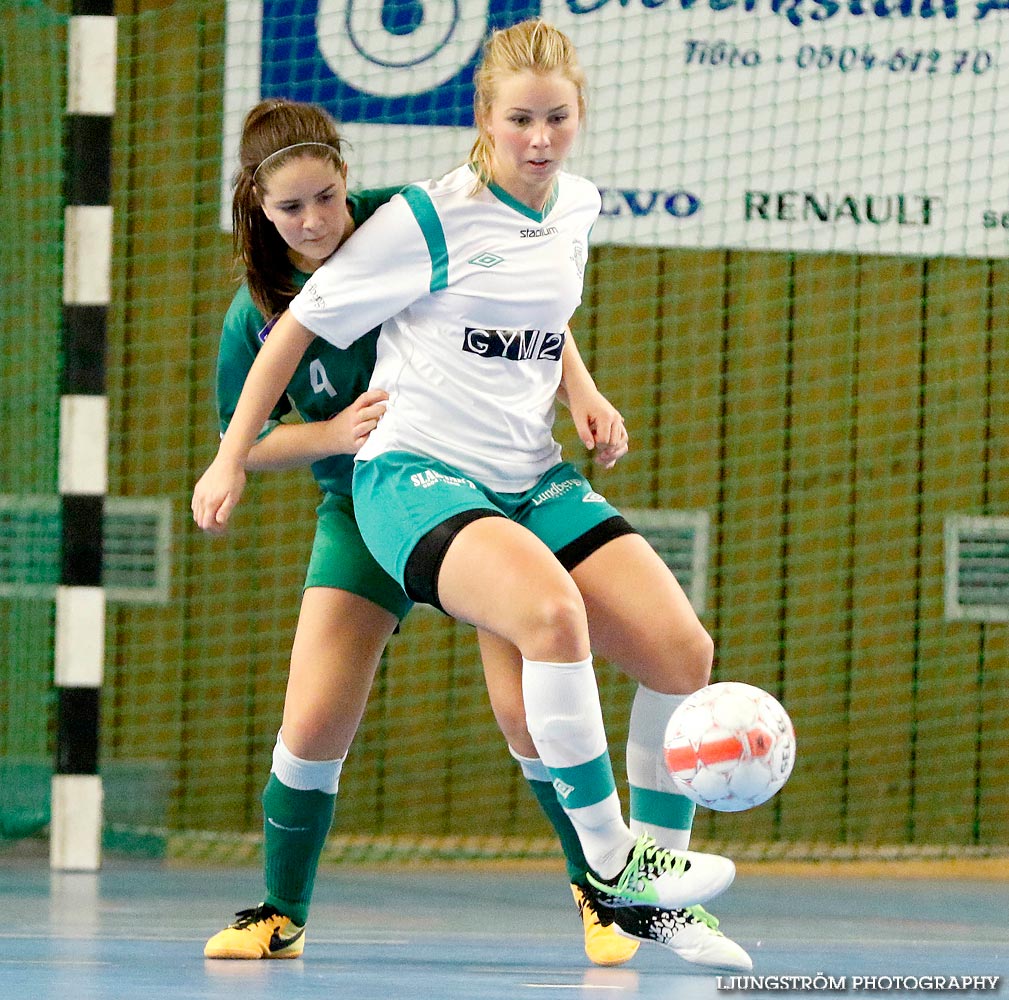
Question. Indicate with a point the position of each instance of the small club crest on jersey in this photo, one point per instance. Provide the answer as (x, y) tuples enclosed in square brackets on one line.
[(578, 256)]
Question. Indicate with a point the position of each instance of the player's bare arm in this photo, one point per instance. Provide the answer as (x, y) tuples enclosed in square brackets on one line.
[(220, 488), (295, 445), (598, 423)]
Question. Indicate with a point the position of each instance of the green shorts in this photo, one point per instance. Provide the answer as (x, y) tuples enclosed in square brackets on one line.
[(340, 559), (401, 497)]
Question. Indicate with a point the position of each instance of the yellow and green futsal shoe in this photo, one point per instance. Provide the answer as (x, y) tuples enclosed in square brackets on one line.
[(262, 932)]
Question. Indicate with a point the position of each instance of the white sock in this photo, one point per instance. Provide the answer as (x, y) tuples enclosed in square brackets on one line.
[(656, 807), (305, 775), (566, 725), (533, 769)]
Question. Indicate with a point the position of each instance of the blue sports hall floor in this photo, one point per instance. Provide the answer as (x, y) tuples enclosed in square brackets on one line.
[(136, 931)]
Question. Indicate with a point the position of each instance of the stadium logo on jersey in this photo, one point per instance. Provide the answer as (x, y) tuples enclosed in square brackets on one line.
[(404, 63), (485, 259), (546, 231), (514, 345)]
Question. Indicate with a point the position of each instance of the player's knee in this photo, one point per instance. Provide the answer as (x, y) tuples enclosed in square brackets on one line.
[(697, 656), (555, 626)]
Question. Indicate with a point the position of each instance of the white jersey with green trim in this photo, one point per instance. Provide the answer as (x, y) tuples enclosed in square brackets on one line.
[(474, 293)]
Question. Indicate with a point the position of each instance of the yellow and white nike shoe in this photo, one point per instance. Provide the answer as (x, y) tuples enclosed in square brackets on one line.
[(262, 932), (604, 944)]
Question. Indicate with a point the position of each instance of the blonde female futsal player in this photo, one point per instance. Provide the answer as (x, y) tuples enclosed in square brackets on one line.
[(292, 210), (460, 485)]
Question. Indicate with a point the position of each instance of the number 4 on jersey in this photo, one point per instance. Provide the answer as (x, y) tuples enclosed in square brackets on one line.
[(319, 378)]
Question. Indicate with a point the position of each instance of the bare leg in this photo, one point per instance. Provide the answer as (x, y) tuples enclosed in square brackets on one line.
[(337, 648), (640, 618)]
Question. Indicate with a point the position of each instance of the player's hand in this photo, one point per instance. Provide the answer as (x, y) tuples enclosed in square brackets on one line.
[(601, 428), (349, 429), (217, 494), (613, 446)]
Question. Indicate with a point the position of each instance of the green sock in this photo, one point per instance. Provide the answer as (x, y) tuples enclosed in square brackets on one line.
[(295, 827), (573, 857)]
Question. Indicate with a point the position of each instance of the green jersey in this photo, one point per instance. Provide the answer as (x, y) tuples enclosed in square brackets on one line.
[(328, 378)]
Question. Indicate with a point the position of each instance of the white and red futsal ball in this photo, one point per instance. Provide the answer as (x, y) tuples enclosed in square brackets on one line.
[(729, 746)]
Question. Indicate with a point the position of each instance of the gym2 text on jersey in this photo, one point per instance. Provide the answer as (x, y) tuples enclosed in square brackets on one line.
[(514, 345)]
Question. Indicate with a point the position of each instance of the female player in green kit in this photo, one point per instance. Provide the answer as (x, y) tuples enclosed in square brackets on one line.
[(291, 211), (475, 354)]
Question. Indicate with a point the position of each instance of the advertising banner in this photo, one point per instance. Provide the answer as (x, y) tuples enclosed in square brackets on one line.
[(869, 126)]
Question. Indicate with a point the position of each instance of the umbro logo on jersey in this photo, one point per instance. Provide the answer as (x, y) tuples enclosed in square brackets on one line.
[(486, 259), (593, 497)]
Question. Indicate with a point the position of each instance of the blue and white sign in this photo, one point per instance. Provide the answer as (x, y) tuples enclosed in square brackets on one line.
[(873, 126), (397, 74), (391, 61)]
